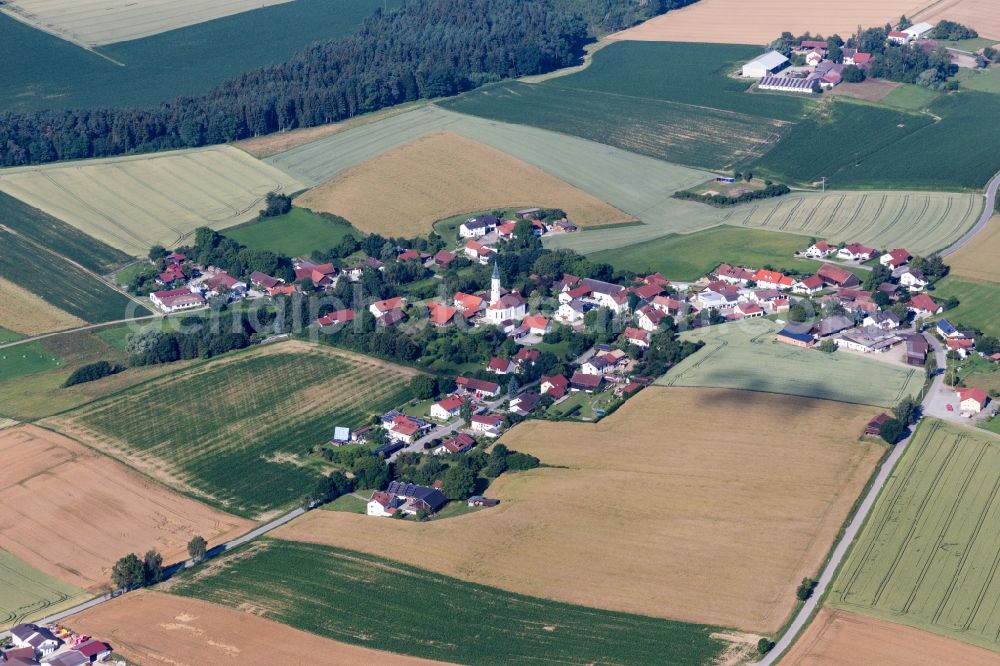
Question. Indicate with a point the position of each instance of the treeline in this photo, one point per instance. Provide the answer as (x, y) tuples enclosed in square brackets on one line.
[(92, 372), (198, 338), (721, 200), (421, 50)]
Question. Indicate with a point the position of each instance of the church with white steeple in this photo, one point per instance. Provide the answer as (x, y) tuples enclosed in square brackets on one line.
[(504, 306)]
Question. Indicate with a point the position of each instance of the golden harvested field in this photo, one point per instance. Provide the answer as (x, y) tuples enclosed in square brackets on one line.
[(760, 21), (155, 628), (405, 190), (134, 202), (674, 506), (983, 15), (94, 22), (839, 638), (23, 312), (977, 260), (70, 512)]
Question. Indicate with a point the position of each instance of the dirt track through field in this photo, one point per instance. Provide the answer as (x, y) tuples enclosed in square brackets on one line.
[(983, 15), (700, 505), (839, 638), (152, 628), (761, 21), (71, 513), (410, 187)]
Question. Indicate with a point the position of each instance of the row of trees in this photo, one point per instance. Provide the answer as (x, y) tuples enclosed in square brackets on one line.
[(131, 571), (421, 50)]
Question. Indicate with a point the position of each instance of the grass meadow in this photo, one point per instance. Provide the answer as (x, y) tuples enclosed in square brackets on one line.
[(296, 234), (60, 283), (690, 257), (26, 359), (30, 594), (238, 432), (746, 355), (927, 557), (58, 236), (382, 604), (979, 305), (52, 73)]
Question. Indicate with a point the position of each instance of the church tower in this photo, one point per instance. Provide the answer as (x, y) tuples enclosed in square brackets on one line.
[(495, 285)]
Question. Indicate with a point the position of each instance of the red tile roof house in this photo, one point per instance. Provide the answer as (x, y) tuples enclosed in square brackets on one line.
[(526, 356), (961, 346), (441, 314), (487, 424), (837, 276), (408, 255), (469, 305), (895, 258), (649, 318), (460, 443), (772, 279), (668, 305), (733, 274), (379, 308), (478, 387), (923, 306), (748, 310), (443, 258), (223, 281), (637, 337), (264, 281), (972, 400), (584, 382), (336, 317), (175, 300), (537, 324), (447, 408), (810, 285), (501, 366), (554, 386), (404, 429), (172, 274), (646, 292)]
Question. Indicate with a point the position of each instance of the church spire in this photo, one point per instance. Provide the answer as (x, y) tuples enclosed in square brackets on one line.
[(495, 284)]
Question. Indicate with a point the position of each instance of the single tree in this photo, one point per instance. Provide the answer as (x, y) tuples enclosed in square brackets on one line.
[(152, 567), (764, 646), (892, 431), (465, 411), (828, 346), (907, 411), (127, 573), (197, 547)]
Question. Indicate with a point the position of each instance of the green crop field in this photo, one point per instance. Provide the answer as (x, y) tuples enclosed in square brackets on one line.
[(979, 304), (58, 236), (29, 594), (366, 600), (689, 73), (910, 97), (863, 146), (237, 432), (52, 73), (691, 256), (745, 355), (9, 336), (296, 234), (921, 221), (700, 137), (928, 555), (987, 80), (61, 283)]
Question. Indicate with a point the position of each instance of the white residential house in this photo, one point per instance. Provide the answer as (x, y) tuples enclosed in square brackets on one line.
[(649, 318), (820, 250), (809, 286), (913, 279), (855, 252), (487, 424), (379, 308), (571, 312), (885, 321), (596, 365), (446, 408), (477, 227)]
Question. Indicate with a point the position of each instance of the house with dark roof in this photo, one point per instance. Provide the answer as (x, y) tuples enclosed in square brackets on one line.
[(916, 349), (524, 404), (460, 443), (584, 382), (479, 226), (837, 276), (480, 388), (874, 427), (43, 641)]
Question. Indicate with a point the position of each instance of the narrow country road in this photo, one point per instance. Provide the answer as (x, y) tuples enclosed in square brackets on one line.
[(173, 569), (88, 327), (809, 608), (988, 211)]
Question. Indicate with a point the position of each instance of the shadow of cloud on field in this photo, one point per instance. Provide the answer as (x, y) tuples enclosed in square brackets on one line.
[(759, 389)]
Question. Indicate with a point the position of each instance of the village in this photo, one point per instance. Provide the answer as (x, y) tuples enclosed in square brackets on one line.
[(52, 645), (860, 301)]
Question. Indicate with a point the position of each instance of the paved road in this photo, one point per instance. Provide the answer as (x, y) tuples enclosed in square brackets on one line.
[(171, 570), (89, 327), (850, 533), (991, 198)]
